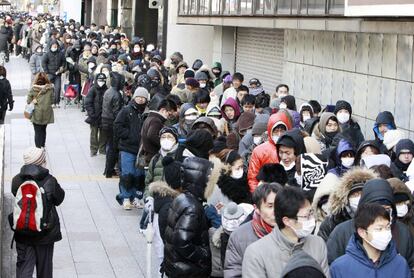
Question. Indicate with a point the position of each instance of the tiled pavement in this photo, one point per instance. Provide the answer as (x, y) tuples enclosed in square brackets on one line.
[(100, 239)]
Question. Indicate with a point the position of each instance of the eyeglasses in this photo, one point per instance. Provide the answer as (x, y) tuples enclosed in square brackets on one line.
[(310, 215)]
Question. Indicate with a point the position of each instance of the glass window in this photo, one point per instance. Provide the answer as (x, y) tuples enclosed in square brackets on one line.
[(183, 7), (269, 7), (295, 6), (246, 6), (215, 6), (258, 7), (204, 7), (193, 7), (316, 6), (284, 6), (336, 7)]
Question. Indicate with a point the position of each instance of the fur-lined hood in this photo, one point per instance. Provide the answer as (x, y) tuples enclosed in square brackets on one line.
[(339, 198), (42, 88), (327, 186), (218, 167), (162, 189)]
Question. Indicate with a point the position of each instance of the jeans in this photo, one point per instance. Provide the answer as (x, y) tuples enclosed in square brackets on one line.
[(97, 140), (128, 168), (56, 80), (40, 135)]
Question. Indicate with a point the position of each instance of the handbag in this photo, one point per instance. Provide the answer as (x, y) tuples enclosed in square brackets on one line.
[(140, 162), (86, 87), (29, 108)]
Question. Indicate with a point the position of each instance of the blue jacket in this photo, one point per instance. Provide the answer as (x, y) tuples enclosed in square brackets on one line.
[(355, 263)]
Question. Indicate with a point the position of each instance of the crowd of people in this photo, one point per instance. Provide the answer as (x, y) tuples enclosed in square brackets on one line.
[(239, 182)]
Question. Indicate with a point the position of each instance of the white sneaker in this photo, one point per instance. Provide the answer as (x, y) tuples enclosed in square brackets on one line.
[(127, 204), (139, 204)]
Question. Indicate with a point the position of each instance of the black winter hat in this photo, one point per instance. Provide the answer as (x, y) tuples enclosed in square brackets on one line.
[(170, 130), (290, 102), (218, 145), (342, 104), (189, 73), (232, 156), (404, 144), (200, 142), (172, 172), (272, 172)]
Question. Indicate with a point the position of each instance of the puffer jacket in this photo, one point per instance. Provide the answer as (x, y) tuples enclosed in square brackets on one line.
[(374, 190), (5, 37), (338, 200), (112, 100), (150, 134), (43, 112), (266, 152), (36, 62), (353, 131), (187, 252), (128, 125), (6, 96), (54, 195), (53, 62), (93, 104), (399, 187)]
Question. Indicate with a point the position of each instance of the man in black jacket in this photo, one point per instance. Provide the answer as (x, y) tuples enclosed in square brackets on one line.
[(93, 106), (5, 39), (53, 62), (37, 250), (186, 251), (127, 129), (112, 104)]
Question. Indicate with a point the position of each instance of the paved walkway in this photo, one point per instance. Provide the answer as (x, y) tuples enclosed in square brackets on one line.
[(100, 239)]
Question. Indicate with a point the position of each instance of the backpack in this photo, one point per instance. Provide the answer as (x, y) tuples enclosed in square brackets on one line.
[(31, 210)]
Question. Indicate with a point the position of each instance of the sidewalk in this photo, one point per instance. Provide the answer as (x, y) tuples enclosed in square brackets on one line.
[(100, 239)]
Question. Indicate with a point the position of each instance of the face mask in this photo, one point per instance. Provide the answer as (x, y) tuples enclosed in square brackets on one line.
[(100, 83), (237, 174), (288, 167), (380, 240), (275, 138), (202, 85), (402, 210), (298, 179), (53, 49), (343, 117), (283, 105), (305, 118), (1, 77), (347, 161), (39, 51), (257, 140), (167, 144), (353, 203), (137, 49), (307, 228)]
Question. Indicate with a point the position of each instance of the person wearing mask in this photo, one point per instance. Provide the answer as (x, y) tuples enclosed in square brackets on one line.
[(202, 79), (306, 113), (349, 126), (295, 222), (111, 105), (230, 111), (374, 191), (127, 129), (343, 201), (371, 250), (36, 61), (187, 253), (404, 151), (53, 63), (93, 106), (41, 95), (188, 115), (281, 91), (262, 224), (264, 153), (37, 249), (344, 158), (179, 74), (6, 95), (365, 149), (216, 69), (326, 130), (403, 202)]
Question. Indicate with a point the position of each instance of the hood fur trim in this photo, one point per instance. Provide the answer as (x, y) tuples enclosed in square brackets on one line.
[(339, 198), (327, 186), (162, 189), (218, 166)]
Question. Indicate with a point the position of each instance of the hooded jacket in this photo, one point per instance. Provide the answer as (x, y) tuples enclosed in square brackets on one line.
[(187, 251), (54, 195), (384, 117), (371, 143), (399, 187), (94, 102), (181, 126), (266, 152), (43, 113), (112, 100), (399, 169), (150, 134), (342, 147), (207, 122), (320, 131), (232, 103), (338, 200), (302, 260), (374, 190), (390, 264), (53, 61), (36, 61)]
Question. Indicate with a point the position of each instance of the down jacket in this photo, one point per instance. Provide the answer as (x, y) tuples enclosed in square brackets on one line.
[(112, 101), (43, 113), (187, 251), (266, 152), (338, 200), (93, 104), (52, 62), (54, 194)]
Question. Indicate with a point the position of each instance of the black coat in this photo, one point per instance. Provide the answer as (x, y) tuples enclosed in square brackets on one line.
[(329, 224), (6, 97), (52, 62), (5, 37), (54, 194), (150, 134), (127, 127), (112, 101), (93, 104), (352, 130)]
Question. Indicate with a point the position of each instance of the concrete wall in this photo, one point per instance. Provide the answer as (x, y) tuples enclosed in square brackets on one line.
[(72, 9), (373, 71)]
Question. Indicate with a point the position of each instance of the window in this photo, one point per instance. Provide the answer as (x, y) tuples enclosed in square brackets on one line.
[(336, 7), (246, 7), (269, 7), (215, 7), (316, 7), (284, 6)]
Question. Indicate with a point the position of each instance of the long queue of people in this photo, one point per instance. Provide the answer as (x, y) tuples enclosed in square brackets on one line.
[(241, 182)]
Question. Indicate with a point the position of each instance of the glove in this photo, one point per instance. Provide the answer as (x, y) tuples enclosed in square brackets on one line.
[(11, 105), (70, 60), (149, 204)]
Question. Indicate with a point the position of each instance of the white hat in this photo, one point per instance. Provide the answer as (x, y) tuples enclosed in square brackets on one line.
[(33, 155)]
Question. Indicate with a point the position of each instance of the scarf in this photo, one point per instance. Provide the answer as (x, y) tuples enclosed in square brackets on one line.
[(260, 227)]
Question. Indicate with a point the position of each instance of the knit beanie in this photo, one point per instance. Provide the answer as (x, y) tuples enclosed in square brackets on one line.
[(404, 144), (192, 82), (232, 156), (35, 156), (246, 121), (170, 130), (172, 172), (259, 128), (342, 104), (200, 142), (233, 215), (141, 92), (392, 137), (189, 73)]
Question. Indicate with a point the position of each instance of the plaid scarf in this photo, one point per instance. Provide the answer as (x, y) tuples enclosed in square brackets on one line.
[(260, 227)]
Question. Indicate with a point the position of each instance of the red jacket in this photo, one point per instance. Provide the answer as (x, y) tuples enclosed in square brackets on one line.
[(266, 152)]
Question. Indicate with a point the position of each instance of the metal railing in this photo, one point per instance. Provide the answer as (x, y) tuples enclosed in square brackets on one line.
[(261, 8)]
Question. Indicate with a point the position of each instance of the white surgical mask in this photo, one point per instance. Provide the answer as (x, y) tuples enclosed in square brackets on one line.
[(307, 228), (288, 167), (275, 138), (257, 140), (282, 105), (1, 77), (343, 117), (305, 118), (137, 49), (53, 49), (202, 85), (167, 144), (402, 210), (100, 83), (190, 117), (347, 161), (380, 240), (237, 174), (353, 203)]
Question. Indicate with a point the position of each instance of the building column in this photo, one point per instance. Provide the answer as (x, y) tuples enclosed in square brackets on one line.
[(224, 47), (125, 17)]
